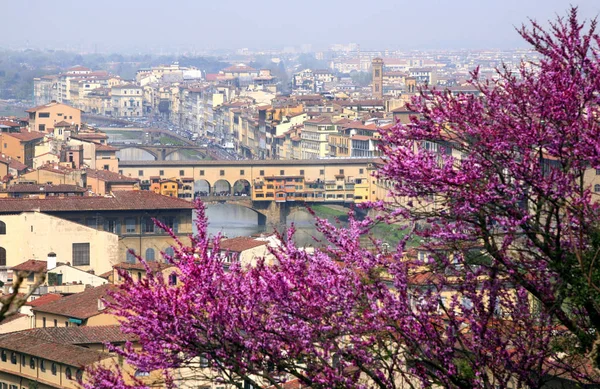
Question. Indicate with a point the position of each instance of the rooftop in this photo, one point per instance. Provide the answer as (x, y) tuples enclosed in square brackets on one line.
[(25, 136), (108, 176), (30, 344), (47, 188), (80, 305), (120, 201), (31, 265), (81, 335), (240, 243)]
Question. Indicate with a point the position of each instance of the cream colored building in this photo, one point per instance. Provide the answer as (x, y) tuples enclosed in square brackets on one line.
[(315, 138), (43, 117), (33, 235), (127, 100)]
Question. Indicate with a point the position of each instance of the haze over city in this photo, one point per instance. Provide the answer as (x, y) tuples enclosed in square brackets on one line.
[(151, 25)]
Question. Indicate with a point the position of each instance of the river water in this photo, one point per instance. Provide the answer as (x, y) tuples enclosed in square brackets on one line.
[(233, 220)]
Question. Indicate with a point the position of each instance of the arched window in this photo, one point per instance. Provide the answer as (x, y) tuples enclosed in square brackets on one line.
[(68, 373), (139, 276), (42, 365), (2, 228), (173, 279), (32, 363), (169, 251), (13, 358), (3, 355), (2, 256), (79, 375), (150, 254), (53, 368), (130, 258)]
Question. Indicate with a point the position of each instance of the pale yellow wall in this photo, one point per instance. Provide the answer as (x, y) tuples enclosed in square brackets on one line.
[(102, 319), (19, 324), (69, 114), (44, 234), (45, 176), (72, 274)]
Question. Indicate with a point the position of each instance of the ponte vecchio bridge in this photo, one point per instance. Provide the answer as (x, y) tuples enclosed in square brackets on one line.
[(272, 188)]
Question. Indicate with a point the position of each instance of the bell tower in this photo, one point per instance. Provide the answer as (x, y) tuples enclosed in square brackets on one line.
[(377, 68)]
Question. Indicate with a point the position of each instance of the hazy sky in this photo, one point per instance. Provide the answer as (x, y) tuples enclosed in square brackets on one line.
[(214, 24)]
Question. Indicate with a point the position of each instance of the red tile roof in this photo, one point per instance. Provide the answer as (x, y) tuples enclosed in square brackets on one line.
[(62, 123), (45, 299), (155, 266), (82, 335), (108, 176), (68, 354), (241, 243), (100, 147), (14, 317), (25, 136), (31, 265), (13, 163), (81, 305), (120, 201)]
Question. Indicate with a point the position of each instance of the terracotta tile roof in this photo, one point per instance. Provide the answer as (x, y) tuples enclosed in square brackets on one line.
[(13, 163), (62, 123), (82, 335), (106, 275), (100, 147), (9, 123), (108, 176), (45, 299), (25, 136), (31, 265), (79, 68), (48, 188), (68, 354), (155, 266), (241, 243), (81, 305), (92, 135), (121, 200), (362, 137), (241, 68)]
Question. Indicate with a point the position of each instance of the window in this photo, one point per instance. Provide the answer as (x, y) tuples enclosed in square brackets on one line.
[(150, 254), (201, 172), (106, 167), (2, 228), (42, 127), (181, 173), (169, 251), (92, 223), (322, 171), (130, 225), (261, 173), (3, 355), (79, 375), (32, 363), (67, 323), (361, 171), (42, 365), (148, 225), (141, 373), (140, 173), (173, 279), (81, 254), (161, 172), (13, 358), (2, 256), (139, 276), (44, 322), (112, 225), (130, 257), (376, 72), (53, 368), (68, 373), (44, 114), (281, 172), (222, 172), (341, 171), (597, 188), (55, 323), (301, 172)]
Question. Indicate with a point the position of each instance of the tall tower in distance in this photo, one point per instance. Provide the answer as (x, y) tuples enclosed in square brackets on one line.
[(377, 68)]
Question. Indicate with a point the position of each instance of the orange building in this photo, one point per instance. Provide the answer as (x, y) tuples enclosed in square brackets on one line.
[(20, 145)]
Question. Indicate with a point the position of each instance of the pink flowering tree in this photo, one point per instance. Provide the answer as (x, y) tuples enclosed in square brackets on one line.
[(496, 185)]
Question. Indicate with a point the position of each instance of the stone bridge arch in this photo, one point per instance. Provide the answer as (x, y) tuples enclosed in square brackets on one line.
[(152, 152)]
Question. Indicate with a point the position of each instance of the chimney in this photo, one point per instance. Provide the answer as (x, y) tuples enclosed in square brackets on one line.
[(51, 261)]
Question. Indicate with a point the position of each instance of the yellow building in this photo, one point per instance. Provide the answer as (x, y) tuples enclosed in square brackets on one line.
[(125, 214), (43, 117), (33, 235), (20, 145)]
